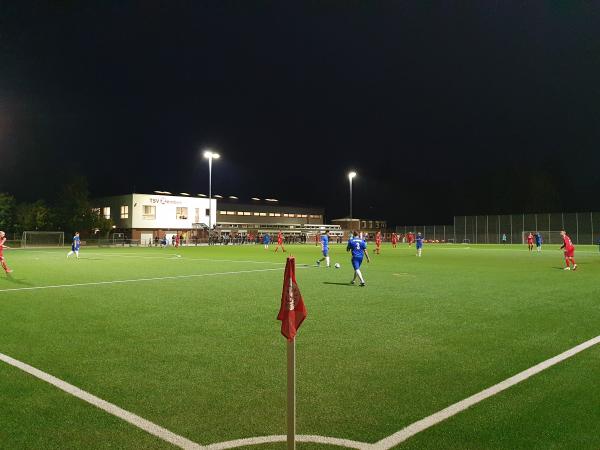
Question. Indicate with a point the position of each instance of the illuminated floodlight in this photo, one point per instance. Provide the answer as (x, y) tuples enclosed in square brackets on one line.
[(271, 199), (217, 196), (233, 197), (184, 193), (351, 175), (255, 198), (211, 155), (201, 195)]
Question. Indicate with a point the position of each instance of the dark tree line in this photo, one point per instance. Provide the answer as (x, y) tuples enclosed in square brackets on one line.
[(69, 211)]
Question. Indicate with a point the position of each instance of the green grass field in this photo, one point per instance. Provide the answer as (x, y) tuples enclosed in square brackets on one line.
[(199, 351)]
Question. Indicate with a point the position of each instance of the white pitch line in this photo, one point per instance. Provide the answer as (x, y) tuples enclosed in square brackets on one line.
[(434, 419), (173, 256), (135, 280), (283, 438), (146, 425)]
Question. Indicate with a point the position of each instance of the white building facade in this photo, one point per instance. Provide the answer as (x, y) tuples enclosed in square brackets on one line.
[(146, 216)]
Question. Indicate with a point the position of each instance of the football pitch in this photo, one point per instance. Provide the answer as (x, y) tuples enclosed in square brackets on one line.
[(188, 339)]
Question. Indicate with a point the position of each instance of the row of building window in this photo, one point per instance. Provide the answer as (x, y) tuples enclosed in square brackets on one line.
[(181, 213), (264, 214)]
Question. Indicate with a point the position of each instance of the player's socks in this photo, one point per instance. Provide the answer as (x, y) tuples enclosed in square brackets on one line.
[(69, 254), (362, 280), (327, 260), (77, 254)]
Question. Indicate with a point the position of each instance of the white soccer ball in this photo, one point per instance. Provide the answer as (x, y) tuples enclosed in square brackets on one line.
[(337, 265)]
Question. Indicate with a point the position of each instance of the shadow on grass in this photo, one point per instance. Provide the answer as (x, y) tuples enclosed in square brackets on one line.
[(13, 280), (337, 284)]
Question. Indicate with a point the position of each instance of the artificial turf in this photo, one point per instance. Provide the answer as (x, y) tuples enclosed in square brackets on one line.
[(202, 355)]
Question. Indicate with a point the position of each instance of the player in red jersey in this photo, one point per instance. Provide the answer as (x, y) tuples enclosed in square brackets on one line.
[(394, 240), (378, 242), (410, 237), (2, 247), (280, 242), (569, 250), (316, 239), (530, 241)]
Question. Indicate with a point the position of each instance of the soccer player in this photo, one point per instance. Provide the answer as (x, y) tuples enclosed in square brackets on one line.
[(504, 238), (324, 249), (530, 241), (394, 240), (419, 244), (279, 242), (569, 250), (266, 240), (410, 237), (358, 247), (75, 245), (378, 243), (538, 241), (2, 247)]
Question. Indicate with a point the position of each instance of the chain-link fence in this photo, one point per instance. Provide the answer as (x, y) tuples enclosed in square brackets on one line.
[(584, 228)]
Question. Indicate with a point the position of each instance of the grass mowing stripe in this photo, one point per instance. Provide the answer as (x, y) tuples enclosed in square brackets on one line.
[(110, 408), (135, 280), (423, 424)]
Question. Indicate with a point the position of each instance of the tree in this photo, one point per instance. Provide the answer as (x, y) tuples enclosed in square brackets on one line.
[(7, 209), (73, 210), (32, 216)]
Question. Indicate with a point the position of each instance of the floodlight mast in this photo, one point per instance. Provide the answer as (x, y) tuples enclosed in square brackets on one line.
[(210, 155), (351, 175)]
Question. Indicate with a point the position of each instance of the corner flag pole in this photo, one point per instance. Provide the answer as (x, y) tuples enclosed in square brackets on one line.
[(291, 394), (291, 313)]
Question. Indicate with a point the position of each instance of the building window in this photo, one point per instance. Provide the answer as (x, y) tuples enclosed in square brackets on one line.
[(125, 212), (304, 216), (257, 214), (149, 212), (271, 214), (286, 215), (196, 215), (240, 213), (277, 214), (96, 211), (181, 213), (207, 212), (106, 212), (231, 213), (247, 213), (314, 216), (263, 214), (363, 224), (220, 212)]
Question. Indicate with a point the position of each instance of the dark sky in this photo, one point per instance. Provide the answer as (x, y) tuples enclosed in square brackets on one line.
[(441, 107)]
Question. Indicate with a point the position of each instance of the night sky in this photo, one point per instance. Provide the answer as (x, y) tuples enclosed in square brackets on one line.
[(442, 108)]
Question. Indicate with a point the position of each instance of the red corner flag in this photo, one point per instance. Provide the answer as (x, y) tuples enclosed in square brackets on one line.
[(292, 312)]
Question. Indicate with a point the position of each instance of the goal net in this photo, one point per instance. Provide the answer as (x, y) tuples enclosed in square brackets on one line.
[(548, 237), (42, 239)]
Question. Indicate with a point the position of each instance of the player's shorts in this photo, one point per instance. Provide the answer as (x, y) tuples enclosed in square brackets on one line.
[(326, 252), (570, 253), (356, 262), (74, 248), (419, 245)]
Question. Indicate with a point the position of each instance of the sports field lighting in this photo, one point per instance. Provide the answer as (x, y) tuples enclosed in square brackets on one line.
[(271, 199), (351, 176), (184, 193), (256, 199), (233, 197), (201, 195), (217, 196), (210, 155)]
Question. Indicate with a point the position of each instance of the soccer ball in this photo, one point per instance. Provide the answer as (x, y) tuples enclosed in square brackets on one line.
[(337, 265)]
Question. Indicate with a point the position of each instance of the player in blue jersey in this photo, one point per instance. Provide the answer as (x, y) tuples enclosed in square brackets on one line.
[(75, 245), (324, 249), (419, 244), (266, 240), (538, 241), (358, 248)]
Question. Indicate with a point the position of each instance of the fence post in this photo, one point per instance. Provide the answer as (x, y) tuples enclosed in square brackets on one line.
[(511, 230), (577, 228), (592, 223)]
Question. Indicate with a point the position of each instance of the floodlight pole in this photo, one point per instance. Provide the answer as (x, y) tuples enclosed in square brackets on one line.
[(351, 175), (210, 155)]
